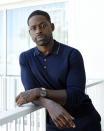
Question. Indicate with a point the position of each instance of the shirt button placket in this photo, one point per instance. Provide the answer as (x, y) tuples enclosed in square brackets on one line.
[(45, 67), (45, 60), (45, 63)]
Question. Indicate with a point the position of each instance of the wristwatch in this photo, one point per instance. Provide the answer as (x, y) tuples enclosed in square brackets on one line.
[(43, 92)]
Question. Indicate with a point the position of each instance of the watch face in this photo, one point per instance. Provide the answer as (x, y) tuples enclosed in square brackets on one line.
[(43, 93)]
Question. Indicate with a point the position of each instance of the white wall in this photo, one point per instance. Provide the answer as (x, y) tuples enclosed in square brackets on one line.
[(86, 33), (9, 1), (86, 30)]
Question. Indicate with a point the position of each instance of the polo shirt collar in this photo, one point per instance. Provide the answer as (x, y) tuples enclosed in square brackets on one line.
[(55, 49)]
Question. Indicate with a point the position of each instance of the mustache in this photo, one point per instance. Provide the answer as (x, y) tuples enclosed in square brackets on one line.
[(38, 36)]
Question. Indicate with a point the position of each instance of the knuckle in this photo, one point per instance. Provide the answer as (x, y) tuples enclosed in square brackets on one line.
[(21, 93), (56, 117), (21, 97), (60, 115)]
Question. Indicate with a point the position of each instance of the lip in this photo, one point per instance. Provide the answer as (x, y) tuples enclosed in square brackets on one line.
[(39, 38)]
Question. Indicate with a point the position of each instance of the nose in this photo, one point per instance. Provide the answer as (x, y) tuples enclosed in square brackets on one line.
[(38, 30)]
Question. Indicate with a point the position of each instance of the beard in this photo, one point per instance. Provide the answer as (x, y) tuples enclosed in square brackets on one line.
[(43, 40)]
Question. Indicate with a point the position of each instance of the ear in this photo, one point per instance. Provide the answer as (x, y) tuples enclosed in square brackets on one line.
[(52, 26)]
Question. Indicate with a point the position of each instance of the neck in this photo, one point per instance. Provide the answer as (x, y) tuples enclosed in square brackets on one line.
[(46, 49)]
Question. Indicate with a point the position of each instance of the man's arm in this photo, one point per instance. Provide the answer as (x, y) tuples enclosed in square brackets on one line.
[(58, 96), (59, 115), (29, 81), (31, 85)]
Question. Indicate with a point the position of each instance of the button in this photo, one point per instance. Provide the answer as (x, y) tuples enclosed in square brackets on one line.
[(45, 59), (45, 67)]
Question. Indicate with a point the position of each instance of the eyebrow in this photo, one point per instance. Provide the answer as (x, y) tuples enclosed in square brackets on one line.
[(39, 24)]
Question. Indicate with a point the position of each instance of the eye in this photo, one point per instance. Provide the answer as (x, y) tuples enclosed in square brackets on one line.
[(43, 25), (32, 28)]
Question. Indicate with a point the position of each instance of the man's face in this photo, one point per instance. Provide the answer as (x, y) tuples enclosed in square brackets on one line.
[(40, 30)]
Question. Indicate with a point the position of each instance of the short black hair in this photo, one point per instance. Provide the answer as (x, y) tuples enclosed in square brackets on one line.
[(39, 12)]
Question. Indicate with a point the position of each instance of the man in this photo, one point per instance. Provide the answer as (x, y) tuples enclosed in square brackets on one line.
[(53, 76)]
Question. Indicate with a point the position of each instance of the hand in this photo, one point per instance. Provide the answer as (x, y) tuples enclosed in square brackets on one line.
[(60, 116), (27, 96)]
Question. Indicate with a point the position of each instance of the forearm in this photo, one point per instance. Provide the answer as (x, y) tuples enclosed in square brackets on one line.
[(58, 96), (59, 115), (43, 102)]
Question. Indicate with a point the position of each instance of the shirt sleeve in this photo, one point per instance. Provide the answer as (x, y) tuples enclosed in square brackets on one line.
[(28, 79), (76, 80)]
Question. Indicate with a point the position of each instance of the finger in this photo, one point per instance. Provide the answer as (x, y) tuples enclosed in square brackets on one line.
[(20, 102), (69, 116), (17, 97), (58, 123), (64, 121), (72, 124), (69, 120)]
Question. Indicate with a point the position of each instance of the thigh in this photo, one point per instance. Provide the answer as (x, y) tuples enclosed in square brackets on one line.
[(90, 122), (54, 128), (94, 127)]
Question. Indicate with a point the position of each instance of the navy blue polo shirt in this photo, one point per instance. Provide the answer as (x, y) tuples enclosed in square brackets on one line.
[(62, 68)]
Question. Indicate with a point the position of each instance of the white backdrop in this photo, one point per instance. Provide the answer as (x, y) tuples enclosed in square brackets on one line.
[(86, 33), (9, 1)]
